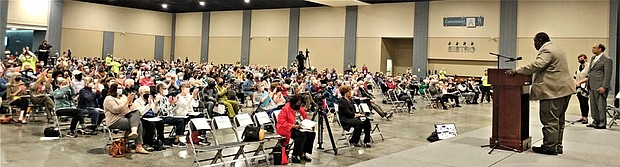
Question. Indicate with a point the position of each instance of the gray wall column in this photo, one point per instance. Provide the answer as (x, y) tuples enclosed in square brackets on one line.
[(350, 36), (420, 39), (245, 37), (204, 37), (108, 43), (293, 35), (614, 19), (508, 32), (159, 48), (173, 36), (54, 25), (4, 9)]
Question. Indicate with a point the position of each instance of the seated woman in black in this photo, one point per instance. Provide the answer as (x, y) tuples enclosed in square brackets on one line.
[(349, 119)]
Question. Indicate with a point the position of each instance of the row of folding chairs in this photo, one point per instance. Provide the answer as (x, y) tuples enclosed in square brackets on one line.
[(392, 99), (359, 108)]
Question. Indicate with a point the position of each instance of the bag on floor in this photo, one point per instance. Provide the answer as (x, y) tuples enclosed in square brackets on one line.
[(118, 148), (252, 133), (6, 119), (51, 132), (194, 137), (280, 156), (433, 137)]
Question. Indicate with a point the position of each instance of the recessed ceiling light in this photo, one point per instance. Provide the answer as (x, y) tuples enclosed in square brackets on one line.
[(202, 3), (247, 1), (13, 28), (164, 6)]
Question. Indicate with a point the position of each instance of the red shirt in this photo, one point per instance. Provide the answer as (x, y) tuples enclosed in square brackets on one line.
[(287, 119)]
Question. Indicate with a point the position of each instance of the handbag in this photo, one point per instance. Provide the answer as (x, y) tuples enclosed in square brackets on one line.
[(280, 156), (252, 133), (6, 119), (118, 148), (51, 132)]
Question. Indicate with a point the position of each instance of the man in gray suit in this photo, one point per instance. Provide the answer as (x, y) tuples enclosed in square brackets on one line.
[(553, 86), (599, 78)]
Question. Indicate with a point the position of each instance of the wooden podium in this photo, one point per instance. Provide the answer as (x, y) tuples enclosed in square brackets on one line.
[(511, 111)]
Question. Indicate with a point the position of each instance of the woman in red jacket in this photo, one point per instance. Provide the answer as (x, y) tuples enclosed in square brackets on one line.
[(289, 126)]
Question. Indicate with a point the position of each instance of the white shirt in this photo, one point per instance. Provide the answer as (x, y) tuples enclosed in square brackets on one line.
[(596, 58), (543, 46)]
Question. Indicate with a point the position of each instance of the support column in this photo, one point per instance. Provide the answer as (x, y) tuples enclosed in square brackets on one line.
[(614, 19), (204, 37), (245, 37), (4, 9), (420, 39), (159, 48), (173, 36), (350, 36), (508, 32), (108, 44), (293, 35), (54, 25)]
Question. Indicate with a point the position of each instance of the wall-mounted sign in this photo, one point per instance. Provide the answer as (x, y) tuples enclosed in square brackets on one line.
[(461, 47), (469, 22)]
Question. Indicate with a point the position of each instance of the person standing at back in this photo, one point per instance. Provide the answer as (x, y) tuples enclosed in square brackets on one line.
[(553, 85), (599, 78), (581, 77), (485, 88), (301, 60)]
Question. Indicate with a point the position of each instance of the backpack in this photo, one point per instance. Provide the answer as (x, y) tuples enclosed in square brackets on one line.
[(433, 137), (51, 132), (118, 148), (252, 133)]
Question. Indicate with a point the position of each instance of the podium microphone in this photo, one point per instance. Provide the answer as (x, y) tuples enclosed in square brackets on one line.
[(514, 59), (496, 54)]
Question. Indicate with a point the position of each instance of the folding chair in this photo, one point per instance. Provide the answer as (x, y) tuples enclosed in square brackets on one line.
[(261, 119), (244, 120), (363, 107), (614, 114), (397, 105), (223, 123)]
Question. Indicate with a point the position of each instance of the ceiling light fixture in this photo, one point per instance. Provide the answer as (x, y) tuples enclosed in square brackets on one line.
[(165, 6), (247, 1), (202, 3)]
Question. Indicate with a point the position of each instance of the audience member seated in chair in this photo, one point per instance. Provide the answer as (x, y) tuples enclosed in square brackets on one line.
[(263, 98), (63, 97), (368, 98), (120, 114), (403, 95), (210, 98), (450, 92), (150, 108), (436, 93), (350, 119), (87, 102), (15, 89), (222, 94), (38, 90), (289, 126)]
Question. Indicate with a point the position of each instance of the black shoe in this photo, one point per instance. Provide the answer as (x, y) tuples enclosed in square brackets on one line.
[(367, 145), (559, 150), (458, 105), (179, 144), (590, 125), (296, 160), (475, 103), (306, 158), (355, 144), (544, 150), (585, 121), (71, 134)]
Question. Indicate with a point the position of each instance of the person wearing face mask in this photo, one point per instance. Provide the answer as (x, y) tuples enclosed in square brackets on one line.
[(222, 94), (38, 90), (149, 107), (184, 100), (350, 119), (105, 91), (289, 126), (63, 98), (581, 77), (120, 114), (87, 104), (15, 89)]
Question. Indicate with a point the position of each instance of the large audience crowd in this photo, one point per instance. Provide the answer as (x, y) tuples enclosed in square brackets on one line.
[(120, 93)]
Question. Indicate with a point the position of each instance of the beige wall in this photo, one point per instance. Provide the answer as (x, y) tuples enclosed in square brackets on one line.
[(134, 46), (400, 50), (376, 21), (188, 34), (187, 47), (586, 23), (269, 37), (224, 50), (225, 37), (89, 16), (83, 43), (226, 24), (188, 24), (485, 38), (167, 43), (28, 12), (321, 30)]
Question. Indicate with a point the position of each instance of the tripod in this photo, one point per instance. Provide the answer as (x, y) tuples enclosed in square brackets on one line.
[(322, 113)]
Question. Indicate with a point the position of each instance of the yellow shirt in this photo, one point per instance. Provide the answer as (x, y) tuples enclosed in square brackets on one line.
[(115, 66), (485, 81)]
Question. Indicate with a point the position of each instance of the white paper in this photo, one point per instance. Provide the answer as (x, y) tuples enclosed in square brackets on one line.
[(262, 118), (49, 138), (193, 113), (201, 123), (618, 96), (336, 107), (244, 119), (179, 116), (154, 119), (307, 124), (222, 122), (365, 107), (221, 109)]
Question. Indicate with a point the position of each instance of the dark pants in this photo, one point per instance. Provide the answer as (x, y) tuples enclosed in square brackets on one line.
[(178, 123), (552, 116), (406, 99), (357, 126), (583, 105), (149, 132), (598, 106), (445, 98), (76, 116), (131, 120), (47, 102), (96, 117), (22, 103), (304, 141), (486, 93)]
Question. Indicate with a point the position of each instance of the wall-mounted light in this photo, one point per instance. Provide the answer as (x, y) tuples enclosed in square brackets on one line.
[(165, 6), (246, 1), (202, 3)]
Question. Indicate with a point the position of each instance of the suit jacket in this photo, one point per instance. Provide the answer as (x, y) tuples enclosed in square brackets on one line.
[(346, 112), (551, 78), (600, 73)]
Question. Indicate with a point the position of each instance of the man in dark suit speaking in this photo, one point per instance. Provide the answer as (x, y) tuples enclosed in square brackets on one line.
[(553, 86), (599, 78)]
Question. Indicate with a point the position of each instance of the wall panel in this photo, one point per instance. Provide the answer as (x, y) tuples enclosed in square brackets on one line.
[(167, 43), (226, 24), (187, 47), (28, 12), (134, 46), (83, 43), (189, 24), (321, 22), (224, 50), (564, 18), (369, 53), (269, 52), (324, 52), (440, 9), (385, 20), (272, 23)]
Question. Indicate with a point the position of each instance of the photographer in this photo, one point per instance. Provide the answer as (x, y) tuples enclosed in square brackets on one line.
[(44, 51)]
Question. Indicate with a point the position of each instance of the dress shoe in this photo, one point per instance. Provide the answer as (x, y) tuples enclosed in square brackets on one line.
[(355, 144), (367, 145), (590, 125), (585, 121), (559, 150), (544, 150), (296, 160), (306, 158)]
